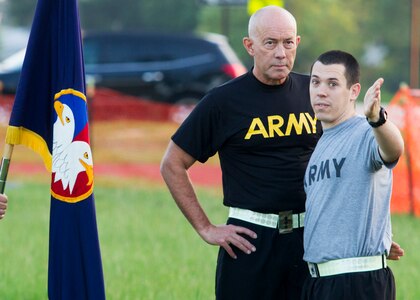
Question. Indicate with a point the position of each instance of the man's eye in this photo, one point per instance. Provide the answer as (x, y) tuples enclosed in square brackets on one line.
[(270, 44), (289, 44)]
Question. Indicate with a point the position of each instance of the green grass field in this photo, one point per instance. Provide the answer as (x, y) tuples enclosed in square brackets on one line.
[(149, 251)]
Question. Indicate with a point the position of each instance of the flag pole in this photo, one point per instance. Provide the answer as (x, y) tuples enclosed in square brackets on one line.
[(4, 167)]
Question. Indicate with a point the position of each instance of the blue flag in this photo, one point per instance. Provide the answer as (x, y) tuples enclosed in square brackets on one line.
[(50, 117)]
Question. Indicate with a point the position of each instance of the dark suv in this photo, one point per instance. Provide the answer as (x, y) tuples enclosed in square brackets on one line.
[(171, 68)]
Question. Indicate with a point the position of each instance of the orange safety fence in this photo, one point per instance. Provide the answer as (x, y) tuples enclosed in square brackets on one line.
[(404, 111), (109, 105)]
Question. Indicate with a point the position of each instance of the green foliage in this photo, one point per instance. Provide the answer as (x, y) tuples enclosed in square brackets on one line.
[(110, 15), (149, 251), (390, 28), (357, 27), (164, 15), (380, 28), (169, 15), (325, 25), (231, 21)]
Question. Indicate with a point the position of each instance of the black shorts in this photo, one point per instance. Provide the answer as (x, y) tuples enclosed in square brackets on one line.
[(377, 285), (275, 271)]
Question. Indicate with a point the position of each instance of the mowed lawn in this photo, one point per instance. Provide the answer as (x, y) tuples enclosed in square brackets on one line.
[(148, 249)]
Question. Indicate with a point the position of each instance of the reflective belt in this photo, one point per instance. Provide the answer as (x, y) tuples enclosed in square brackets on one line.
[(347, 265), (286, 221)]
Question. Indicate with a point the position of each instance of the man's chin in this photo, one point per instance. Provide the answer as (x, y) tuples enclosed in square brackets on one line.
[(321, 116), (281, 76)]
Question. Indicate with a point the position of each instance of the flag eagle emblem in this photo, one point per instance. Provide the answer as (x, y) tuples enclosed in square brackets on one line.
[(72, 165)]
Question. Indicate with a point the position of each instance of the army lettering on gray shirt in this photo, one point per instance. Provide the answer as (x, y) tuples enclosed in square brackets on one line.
[(348, 189)]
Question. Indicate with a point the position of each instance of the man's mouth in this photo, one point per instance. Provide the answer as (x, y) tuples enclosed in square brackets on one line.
[(321, 105)]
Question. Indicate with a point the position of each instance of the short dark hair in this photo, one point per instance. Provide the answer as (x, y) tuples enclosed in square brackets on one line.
[(352, 69)]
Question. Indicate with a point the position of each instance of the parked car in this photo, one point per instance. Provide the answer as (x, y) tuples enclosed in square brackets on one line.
[(170, 68)]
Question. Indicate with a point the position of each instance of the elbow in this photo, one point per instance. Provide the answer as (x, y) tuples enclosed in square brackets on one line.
[(395, 157), (392, 155), (400, 148), (175, 162), (164, 168), (170, 169)]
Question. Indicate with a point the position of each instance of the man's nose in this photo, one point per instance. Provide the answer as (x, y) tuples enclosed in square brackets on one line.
[(322, 89), (280, 51)]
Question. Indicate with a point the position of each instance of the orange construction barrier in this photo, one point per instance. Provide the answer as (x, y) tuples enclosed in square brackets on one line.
[(404, 111)]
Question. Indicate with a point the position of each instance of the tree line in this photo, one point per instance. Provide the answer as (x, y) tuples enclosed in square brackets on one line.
[(377, 32)]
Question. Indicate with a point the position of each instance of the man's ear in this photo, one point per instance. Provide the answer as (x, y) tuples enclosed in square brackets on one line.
[(297, 40), (355, 91), (248, 44)]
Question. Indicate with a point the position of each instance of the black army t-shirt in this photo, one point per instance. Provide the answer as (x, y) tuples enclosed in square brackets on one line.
[(264, 136)]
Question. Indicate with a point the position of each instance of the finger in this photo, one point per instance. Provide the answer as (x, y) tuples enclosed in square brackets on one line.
[(243, 244), (378, 85), (395, 252), (239, 241), (379, 82), (244, 230), (396, 248), (229, 250), (401, 253), (234, 238), (392, 256)]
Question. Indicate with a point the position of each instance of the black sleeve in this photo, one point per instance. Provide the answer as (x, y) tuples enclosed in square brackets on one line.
[(201, 134)]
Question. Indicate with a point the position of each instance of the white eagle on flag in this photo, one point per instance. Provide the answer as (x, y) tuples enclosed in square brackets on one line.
[(69, 157)]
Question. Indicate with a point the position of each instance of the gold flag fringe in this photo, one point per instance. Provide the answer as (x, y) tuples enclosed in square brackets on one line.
[(22, 136)]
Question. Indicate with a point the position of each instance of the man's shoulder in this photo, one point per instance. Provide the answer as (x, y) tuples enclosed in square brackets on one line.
[(229, 89), (233, 83)]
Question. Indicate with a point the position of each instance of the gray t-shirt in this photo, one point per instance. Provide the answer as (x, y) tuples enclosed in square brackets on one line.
[(348, 195)]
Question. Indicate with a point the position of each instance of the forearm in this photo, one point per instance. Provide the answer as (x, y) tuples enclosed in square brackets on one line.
[(388, 136), (390, 141)]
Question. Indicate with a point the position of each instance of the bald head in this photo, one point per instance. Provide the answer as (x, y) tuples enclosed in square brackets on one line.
[(270, 16), (272, 41)]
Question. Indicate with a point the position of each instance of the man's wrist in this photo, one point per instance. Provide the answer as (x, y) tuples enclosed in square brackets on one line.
[(379, 120), (373, 120)]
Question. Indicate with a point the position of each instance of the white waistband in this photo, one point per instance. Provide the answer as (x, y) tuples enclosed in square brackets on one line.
[(347, 265), (267, 220)]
